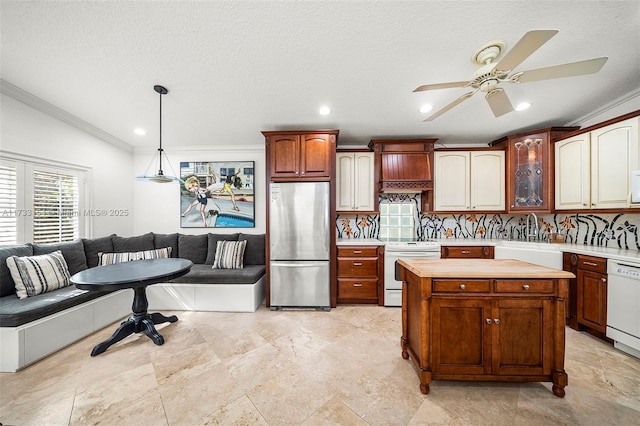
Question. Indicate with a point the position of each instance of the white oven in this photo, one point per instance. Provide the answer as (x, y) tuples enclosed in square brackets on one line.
[(623, 306), (394, 250)]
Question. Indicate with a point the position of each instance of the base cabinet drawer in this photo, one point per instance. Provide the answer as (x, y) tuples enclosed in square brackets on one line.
[(468, 252), (461, 286), (360, 274), (358, 267), (358, 289), (524, 286)]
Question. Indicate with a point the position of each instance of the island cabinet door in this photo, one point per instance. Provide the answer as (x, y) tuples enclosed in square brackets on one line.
[(522, 337), (461, 342)]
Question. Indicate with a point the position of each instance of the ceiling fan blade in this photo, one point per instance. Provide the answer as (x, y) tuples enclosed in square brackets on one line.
[(524, 48), (442, 86), (590, 66), (450, 106), (499, 102)]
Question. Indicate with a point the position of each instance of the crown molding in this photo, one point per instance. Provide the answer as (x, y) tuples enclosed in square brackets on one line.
[(60, 114), (173, 149), (611, 105)]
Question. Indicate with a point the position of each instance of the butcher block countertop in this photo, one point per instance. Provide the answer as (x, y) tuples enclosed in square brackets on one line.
[(479, 268)]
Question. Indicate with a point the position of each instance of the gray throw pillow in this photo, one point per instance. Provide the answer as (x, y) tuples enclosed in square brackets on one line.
[(193, 247), (127, 244), (72, 251), (254, 253), (93, 246)]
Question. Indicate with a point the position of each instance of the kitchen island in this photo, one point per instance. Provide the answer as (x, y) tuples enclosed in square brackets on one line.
[(485, 320)]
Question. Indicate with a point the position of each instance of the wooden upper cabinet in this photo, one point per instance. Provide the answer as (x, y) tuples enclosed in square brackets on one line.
[(300, 154), (530, 169)]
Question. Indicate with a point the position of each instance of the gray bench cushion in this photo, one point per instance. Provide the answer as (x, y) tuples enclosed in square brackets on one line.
[(16, 311), (205, 274)]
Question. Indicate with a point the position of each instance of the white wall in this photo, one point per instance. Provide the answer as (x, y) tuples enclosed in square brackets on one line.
[(28, 132), (157, 205)]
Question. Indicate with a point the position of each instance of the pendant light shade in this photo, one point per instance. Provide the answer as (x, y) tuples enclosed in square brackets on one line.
[(159, 176)]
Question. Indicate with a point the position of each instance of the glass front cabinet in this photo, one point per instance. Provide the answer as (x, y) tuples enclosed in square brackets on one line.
[(529, 170)]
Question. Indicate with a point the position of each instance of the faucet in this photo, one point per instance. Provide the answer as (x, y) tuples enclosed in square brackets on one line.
[(536, 227)]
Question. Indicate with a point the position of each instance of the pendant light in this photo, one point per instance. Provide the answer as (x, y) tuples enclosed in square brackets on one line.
[(160, 177)]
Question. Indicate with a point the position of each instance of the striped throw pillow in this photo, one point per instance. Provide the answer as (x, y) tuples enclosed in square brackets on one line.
[(35, 275), (111, 258), (229, 255)]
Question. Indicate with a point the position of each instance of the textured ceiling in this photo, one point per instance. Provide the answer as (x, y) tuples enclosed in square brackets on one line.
[(234, 68)]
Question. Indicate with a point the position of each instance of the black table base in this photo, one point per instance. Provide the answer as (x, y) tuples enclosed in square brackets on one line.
[(140, 322)]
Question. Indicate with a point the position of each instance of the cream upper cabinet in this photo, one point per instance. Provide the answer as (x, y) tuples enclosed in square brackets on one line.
[(469, 180), (354, 181), (593, 170), (573, 173), (614, 154)]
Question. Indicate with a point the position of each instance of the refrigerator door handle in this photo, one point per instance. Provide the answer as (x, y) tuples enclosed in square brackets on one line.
[(293, 265)]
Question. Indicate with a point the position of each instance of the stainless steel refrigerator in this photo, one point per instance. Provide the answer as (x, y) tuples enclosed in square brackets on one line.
[(299, 242)]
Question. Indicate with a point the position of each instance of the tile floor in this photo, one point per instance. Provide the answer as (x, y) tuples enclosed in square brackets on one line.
[(300, 367)]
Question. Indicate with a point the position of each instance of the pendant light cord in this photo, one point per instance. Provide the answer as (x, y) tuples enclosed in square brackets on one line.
[(160, 149)]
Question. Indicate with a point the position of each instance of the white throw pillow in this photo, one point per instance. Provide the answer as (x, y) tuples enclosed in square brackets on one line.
[(35, 275), (230, 255), (111, 258)]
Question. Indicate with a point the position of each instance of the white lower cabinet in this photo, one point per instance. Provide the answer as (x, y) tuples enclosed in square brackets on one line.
[(469, 180), (593, 170)]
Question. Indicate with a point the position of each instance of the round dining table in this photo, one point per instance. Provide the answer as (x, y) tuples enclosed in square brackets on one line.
[(136, 275)]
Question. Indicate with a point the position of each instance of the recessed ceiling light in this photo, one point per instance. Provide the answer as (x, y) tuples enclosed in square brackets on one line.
[(324, 110), (426, 108), (140, 131), (522, 106)]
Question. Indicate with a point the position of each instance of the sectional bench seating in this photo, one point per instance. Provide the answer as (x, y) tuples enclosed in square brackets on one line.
[(37, 326)]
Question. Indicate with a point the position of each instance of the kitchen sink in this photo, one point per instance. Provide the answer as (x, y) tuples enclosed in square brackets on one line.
[(543, 254)]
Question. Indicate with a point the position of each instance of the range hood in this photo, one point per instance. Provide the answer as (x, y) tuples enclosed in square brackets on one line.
[(403, 165)]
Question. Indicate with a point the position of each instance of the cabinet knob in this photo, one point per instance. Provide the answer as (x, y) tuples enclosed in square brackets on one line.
[(593, 204), (584, 204), (526, 286), (512, 206), (488, 320), (496, 320), (604, 280), (462, 286), (465, 252)]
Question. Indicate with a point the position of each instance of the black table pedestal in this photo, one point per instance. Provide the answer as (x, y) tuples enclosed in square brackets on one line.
[(140, 322)]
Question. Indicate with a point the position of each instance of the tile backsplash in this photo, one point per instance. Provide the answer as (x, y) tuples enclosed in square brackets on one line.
[(618, 230)]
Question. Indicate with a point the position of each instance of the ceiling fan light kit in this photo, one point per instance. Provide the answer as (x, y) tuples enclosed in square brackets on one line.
[(160, 177), (493, 72)]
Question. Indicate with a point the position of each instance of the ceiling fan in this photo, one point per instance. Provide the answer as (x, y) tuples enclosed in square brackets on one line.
[(492, 73)]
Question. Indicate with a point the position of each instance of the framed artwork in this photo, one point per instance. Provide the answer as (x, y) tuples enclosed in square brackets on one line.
[(217, 194)]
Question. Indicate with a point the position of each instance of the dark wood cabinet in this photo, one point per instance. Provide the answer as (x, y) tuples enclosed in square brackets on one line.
[(530, 169), (469, 252), (592, 293), (300, 155), (587, 293), (520, 326), (360, 274), (485, 321), (296, 156)]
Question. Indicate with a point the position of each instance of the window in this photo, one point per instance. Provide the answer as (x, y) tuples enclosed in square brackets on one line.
[(40, 203), (55, 207), (8, 206)]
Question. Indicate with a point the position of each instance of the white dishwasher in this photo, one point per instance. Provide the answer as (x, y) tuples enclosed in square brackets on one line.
[(623, 306)]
